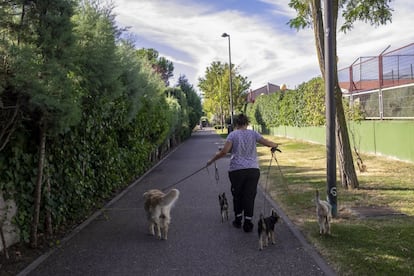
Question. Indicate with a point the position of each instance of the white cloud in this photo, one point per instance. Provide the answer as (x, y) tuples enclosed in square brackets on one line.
[(367, 40), (189, 34)]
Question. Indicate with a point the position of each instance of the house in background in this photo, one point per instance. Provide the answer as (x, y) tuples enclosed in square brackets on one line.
[(269, 88)]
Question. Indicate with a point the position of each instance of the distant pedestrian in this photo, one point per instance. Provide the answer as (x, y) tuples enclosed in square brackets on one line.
[(244, 170)]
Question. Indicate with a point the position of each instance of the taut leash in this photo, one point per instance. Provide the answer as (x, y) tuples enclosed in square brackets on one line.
[(182, 179), (267, 177), (281, 174), (274, 157), (265, 187)]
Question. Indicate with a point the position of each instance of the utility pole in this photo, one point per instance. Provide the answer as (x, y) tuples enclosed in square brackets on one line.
[(330, 107), (231, 84)]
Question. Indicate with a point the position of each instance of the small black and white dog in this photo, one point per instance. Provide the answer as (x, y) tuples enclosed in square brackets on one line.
[(224, 207), (266, 229)]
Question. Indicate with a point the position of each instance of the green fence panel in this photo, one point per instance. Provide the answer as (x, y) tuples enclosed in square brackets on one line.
[(393, 139)]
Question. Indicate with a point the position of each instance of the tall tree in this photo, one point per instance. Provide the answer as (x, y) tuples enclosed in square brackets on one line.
[(184, 130), (9, 106), (160, 65), (309, 14), (215, 99), (193, 101), (53, 106), (38, 74), (216, 87)]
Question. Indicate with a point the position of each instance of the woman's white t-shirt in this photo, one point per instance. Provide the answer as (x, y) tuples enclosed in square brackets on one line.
[(243, 151)]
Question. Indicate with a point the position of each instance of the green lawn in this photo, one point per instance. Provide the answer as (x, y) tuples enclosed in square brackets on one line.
[(357, 246)]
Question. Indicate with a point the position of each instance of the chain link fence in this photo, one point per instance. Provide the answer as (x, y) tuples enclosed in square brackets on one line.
[(382, 85)]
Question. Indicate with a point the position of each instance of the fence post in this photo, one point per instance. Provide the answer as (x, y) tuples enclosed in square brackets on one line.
[(380, 104)]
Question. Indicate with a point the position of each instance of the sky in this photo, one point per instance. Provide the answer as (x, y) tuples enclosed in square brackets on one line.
[(262, 45)]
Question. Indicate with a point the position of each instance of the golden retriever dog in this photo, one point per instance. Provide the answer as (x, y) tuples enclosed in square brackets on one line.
[(158, 206), (324, 214)]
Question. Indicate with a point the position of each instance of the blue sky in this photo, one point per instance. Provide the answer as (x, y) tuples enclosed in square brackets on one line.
[(263, 47)]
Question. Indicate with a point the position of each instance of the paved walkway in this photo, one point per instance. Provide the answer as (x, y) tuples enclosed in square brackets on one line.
[(115, 240)]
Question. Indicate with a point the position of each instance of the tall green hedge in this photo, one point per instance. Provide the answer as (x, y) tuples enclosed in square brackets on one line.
[(302, 107), (125, 120)]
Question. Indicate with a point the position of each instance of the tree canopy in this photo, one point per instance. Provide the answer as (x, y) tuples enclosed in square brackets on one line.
[(310, 14), (161, 65), (215, 87)]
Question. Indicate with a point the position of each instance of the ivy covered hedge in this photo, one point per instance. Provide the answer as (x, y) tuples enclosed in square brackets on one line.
[(83, 119), (302, 107)]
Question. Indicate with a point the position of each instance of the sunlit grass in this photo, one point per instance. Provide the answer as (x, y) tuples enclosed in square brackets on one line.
[(369, 246), (357, 246)]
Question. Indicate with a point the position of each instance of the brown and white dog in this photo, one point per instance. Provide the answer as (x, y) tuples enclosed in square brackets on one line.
[(324, 214), (158, 207)]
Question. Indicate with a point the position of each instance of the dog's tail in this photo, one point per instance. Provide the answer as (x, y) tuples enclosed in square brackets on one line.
[(323, 205), (170, 198), (317, 198)]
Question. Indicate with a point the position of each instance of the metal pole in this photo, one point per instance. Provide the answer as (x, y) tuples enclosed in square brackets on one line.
[(381, 82), (231, 87), (330, 107), (221, 108), (231, 82)]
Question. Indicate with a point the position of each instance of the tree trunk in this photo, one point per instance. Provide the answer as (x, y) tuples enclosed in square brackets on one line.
[(10, 117), (48, 219), (3, 240), (344, 154), (319, 34), (38, 188), (346, 162)]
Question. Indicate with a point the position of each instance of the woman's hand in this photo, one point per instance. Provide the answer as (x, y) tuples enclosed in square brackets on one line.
[(273, 149)]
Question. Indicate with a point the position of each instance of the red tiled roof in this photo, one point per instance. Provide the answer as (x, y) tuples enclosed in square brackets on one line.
[(267, 89)]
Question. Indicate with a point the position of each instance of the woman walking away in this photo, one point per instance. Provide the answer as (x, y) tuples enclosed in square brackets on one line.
[(244, 170)]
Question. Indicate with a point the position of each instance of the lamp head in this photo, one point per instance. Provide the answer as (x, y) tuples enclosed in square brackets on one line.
[(225, 35)]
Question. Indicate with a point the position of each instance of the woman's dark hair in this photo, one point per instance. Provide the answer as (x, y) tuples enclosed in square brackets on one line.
[(241, 120)]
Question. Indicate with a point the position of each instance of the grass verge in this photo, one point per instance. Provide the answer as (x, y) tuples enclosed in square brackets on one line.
[(369, 245)]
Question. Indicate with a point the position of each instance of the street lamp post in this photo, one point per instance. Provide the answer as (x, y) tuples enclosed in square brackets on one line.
[(221, 107), (231, 84)]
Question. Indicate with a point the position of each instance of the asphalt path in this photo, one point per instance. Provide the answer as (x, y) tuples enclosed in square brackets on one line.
[(115, 240)]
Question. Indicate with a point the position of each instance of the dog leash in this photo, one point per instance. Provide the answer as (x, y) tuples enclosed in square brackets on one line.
[(184, 178), (265, 186), (267, 177), (216, 174), (281, 173)]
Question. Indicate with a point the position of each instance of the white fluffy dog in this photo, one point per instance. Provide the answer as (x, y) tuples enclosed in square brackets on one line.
[(158, 206), (324, 214)]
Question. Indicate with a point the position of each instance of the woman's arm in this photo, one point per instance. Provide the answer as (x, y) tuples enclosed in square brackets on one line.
[(226, 148), (268, 143)]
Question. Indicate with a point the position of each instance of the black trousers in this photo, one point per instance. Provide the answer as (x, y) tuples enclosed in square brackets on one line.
[(244, 189)]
